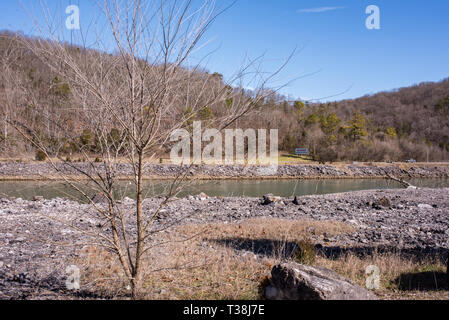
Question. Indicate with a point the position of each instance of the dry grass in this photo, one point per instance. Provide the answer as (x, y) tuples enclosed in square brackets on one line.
[(400, 277), (208, 262)]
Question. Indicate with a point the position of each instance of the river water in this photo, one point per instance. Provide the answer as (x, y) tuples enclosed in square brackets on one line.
[(226, 188)]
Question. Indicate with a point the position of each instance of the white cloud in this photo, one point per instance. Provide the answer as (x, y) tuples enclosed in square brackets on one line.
[(320, 9)]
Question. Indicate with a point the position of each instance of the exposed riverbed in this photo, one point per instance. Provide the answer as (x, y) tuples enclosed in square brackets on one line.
[(37, 241), (33, 264)]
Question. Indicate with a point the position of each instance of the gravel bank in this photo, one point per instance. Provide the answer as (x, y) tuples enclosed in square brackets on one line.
[(24, 171), (32, 265)]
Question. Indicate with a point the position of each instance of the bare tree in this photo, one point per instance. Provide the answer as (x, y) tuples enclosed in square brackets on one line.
[(128, 86), (10, 87)]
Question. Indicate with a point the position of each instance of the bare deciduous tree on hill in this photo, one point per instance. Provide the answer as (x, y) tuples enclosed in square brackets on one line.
[(10, 93)]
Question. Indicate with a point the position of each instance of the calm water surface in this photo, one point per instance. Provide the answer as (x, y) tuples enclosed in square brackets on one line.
[(236, 188)]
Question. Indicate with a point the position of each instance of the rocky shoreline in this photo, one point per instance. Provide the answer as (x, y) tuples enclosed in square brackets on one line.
[(44, 171), (36, 245)]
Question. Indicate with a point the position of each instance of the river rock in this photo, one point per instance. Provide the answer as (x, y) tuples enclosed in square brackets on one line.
[(269, 199), (296, 201), (17, 240), (384, 202), (380, 204), (202, 196), (424, 206), (292, 281), (127, 200)]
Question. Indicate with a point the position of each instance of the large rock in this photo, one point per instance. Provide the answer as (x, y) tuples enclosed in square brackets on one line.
[(269, 199), (292, 281), (424, 206), (202, 196), (380, 204)]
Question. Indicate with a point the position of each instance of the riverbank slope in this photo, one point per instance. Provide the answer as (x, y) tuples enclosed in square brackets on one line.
[(14, 171)]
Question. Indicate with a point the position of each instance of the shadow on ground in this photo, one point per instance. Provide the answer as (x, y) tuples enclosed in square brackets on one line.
[(270, 247), (417, 254), (23, 287), (261, 247), (421, 281)]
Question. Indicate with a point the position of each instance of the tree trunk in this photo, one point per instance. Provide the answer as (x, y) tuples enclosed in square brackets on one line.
[(135, 281), (5, 135)]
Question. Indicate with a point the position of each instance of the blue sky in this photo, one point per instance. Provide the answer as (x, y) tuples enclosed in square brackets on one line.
[(344, 58)]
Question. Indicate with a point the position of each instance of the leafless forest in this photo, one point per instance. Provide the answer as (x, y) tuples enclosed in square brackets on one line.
[(406, 123)]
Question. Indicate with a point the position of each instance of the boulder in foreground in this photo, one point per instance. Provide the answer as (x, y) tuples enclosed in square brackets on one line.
[(292, 281)]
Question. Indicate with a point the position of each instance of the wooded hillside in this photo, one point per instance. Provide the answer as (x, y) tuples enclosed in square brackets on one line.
[(411, 122)]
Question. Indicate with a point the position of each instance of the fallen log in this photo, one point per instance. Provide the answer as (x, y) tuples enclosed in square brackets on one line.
[(404, 183)]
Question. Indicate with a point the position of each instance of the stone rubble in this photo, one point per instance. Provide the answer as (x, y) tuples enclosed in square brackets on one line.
[(24, 170), (32, 264)]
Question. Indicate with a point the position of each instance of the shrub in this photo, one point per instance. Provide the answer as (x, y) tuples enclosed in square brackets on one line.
[(289, 143), (205, 114), (86, 137), (326, 154), (115, 137), (97, 160), (305, 253), (40, 155), (391, 132)]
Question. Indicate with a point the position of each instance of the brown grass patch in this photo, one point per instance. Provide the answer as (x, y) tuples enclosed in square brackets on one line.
[(400, 277), (204, 262)]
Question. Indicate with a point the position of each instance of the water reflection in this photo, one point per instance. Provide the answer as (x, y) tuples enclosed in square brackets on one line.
[(236, 188)]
